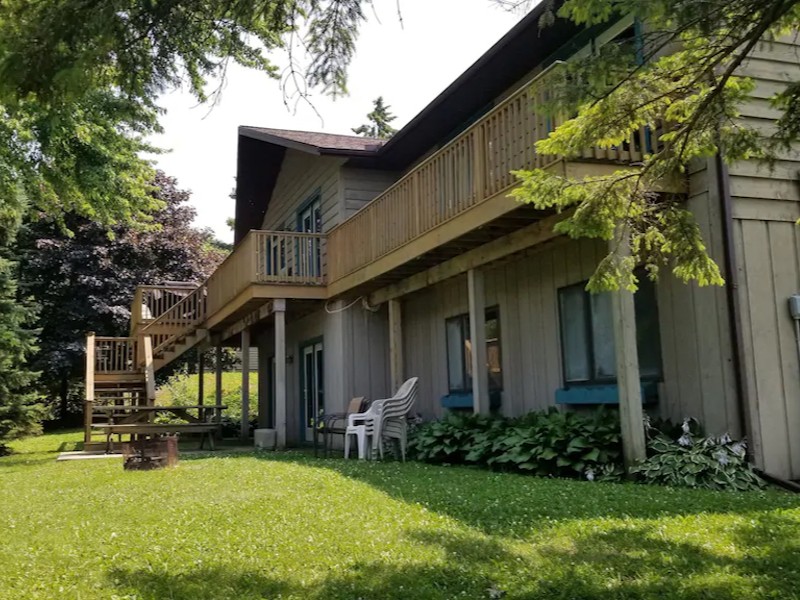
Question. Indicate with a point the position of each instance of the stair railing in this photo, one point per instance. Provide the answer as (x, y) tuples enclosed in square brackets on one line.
[(179, 320)]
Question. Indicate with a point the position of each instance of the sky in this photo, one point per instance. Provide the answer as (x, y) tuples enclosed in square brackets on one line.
[(408, 64)]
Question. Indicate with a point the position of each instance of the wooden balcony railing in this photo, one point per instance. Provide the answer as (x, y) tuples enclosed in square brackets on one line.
[(113, 355), (151, 301), (471, 169), (276, 257)]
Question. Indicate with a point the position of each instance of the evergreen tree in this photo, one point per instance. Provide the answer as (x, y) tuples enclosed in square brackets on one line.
[(19, 410), (379, 122)]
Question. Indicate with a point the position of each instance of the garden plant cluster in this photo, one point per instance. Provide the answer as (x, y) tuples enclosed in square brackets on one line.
[(585, 446)]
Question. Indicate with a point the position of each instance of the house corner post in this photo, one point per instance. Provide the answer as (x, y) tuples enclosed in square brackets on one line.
[(396, 344), (627, 361), (245, 432), (279, 308), (477, 336)]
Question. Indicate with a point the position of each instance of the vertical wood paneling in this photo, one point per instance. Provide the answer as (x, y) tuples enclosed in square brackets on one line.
[(766, 352), (526, 291), (785, 281)]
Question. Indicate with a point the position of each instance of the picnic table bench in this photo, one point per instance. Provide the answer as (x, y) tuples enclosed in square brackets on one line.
[(135, 420)]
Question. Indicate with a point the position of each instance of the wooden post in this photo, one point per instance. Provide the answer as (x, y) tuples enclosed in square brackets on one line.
[(89, 396), (396, 344), (149, 370), (245, 384), (200, 377), (628, 379), (279, 307), (218, 382), (477, 336)]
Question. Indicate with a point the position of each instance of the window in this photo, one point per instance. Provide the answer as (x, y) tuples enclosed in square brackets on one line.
[(587, 334), (459, 352)]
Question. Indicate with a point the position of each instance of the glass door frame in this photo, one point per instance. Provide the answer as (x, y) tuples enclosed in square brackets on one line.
[(316, 348)]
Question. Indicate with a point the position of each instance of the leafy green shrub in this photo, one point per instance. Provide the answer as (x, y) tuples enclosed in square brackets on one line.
[(562, 444), (551, 443), (453, 438), (181, 389), (716, 463)]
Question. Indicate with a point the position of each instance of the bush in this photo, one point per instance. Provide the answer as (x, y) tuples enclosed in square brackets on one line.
[(456, 439), (550, 443), (181, 389), (715, 463)]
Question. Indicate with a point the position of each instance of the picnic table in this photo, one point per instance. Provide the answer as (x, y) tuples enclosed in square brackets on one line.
[(137, 420)]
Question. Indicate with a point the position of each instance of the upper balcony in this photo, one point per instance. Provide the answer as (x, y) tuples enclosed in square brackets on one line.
[(266, 265), (454, 200), (458, 198)]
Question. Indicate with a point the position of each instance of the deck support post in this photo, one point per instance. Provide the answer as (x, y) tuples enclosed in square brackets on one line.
[(218, 382), (477, 336), (89, 397), (627, 360), (200, 377), (396, 344), (245, 433), (279, 308)]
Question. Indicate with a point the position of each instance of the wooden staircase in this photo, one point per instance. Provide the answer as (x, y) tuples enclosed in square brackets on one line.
[(120, 371)]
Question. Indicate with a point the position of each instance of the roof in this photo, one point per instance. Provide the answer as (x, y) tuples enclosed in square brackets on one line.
[(314, 141)]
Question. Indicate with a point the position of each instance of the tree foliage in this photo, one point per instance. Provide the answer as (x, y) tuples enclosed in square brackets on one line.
[(79, 82), (379, 125), (19, 410), (679, 80), (84, 281)]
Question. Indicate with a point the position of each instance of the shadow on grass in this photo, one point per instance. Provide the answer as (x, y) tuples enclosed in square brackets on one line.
[(24, 460), (209, 583), (625, 562), (510, 504)]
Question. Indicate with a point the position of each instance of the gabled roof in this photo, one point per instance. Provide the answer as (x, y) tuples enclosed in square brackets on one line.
[(315, 142)]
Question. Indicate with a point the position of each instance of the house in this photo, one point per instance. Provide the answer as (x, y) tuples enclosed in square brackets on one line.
[(359, 262)]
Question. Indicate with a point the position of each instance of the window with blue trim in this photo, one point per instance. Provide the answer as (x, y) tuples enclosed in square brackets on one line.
[(587, 335), (459, 352)]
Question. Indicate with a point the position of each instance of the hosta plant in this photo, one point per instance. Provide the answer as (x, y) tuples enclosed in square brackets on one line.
[(717, 463)]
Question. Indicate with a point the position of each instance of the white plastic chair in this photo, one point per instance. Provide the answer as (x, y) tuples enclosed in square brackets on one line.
[(362, 425), (393, 423), (384, 418)]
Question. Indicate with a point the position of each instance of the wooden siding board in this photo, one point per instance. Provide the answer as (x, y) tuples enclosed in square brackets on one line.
[(301, 176), (747, 341), (708, 338), (785, 283), (671, 407), (512, 329), (766, 355)]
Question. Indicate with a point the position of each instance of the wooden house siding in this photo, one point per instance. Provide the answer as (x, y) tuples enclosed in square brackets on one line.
[(765, 206), (355, 355), (301, 176), (697, 363), (361, 186)]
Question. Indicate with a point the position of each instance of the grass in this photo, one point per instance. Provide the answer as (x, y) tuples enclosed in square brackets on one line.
[(286, 525)]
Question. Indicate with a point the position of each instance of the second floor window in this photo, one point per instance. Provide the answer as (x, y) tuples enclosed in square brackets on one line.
[(459, 352), (587, 335)]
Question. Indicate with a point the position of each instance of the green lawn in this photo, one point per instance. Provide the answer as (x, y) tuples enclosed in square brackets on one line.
[(290, 526)]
